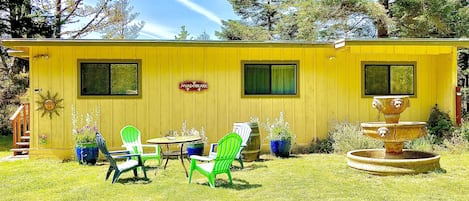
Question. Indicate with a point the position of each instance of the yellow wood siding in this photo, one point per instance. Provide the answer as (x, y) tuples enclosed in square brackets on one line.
[(329, 83)]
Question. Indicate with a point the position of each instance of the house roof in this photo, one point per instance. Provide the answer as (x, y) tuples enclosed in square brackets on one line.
[(20, 47)]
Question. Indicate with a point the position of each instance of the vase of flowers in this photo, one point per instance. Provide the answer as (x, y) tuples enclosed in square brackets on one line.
[(197, 147), (84, 129), (280, 136)]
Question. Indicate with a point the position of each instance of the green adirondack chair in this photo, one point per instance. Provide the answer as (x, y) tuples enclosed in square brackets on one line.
[(131, 138), (228, 148), (128, 165)]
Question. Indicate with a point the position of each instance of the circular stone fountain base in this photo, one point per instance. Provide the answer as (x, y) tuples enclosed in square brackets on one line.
[(376, 161)]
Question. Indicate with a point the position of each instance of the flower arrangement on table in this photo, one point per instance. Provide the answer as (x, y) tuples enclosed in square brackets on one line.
[(196, 147), (194, 132), (84, 126)]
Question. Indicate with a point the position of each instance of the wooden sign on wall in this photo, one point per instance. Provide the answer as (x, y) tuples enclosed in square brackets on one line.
[(193, 85)]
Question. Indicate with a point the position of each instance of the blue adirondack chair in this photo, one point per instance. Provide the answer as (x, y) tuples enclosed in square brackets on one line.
[(130, 164)]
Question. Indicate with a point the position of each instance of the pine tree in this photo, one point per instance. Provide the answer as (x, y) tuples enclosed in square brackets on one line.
[(121, 22), (183, 35), (259, 19), (303, 19), (203, 36), (430, 18)]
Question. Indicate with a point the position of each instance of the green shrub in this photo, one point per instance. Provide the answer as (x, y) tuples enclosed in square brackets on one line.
[(322, 146), (439, 125), (347, 136), (464, 130), (421, 144), (457, 142)]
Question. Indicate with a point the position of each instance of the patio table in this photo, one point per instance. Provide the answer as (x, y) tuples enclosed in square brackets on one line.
[(174, 140)]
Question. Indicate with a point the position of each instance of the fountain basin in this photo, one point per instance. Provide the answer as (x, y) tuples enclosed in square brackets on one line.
[(378, 162), (394, 135), (399, 132)]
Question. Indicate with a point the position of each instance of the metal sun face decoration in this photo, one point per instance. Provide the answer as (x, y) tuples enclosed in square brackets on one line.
[(49, 104)]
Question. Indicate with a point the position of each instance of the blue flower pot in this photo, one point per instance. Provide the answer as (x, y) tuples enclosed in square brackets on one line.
[(195, 149), (280, 148), (87, 153)]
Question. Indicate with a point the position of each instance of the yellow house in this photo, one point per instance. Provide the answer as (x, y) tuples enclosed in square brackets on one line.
[(314, 84)]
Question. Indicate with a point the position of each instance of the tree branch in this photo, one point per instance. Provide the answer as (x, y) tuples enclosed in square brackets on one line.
[(72, 12), (79, 33)]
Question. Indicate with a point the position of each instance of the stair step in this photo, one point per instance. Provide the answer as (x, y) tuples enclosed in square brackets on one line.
[(22, 151), (27, 133), (25, 137), (22, 143), (19, 157)]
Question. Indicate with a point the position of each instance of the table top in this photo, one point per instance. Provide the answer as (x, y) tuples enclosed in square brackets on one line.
[(173, 140)]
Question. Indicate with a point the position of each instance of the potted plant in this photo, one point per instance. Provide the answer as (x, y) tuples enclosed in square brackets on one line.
[(84, 129), (197, 147), (280, 136)]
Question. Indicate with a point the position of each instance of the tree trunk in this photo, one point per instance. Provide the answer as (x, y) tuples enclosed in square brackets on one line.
[(58, 24), (382, 27)]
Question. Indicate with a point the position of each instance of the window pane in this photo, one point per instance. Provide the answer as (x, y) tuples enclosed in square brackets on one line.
[(402, 80), (283, 79), (94, 79), (107, 79), (256, 79), (124, 79), (376, 80), (274, 79)]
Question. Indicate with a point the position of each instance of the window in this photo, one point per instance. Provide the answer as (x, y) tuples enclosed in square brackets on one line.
[(270, 79), (109, 79), (389, 79)]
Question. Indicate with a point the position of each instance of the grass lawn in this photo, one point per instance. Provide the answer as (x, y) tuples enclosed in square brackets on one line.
[(303, 177)]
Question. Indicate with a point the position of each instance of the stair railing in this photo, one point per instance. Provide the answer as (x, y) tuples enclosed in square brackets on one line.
[(20, 123)]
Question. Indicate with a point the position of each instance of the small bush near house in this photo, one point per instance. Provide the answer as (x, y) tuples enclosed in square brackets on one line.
[(439, 125), (421, 144), (458, 142), (347, 136), (322, 146), (464, 130)]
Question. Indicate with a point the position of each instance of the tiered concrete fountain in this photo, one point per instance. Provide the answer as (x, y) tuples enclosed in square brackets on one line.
[(393, 159)]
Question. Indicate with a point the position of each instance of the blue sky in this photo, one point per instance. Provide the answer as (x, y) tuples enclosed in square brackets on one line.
[(164, 18)]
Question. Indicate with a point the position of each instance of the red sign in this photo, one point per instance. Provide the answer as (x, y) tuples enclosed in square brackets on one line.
[(193, 85)]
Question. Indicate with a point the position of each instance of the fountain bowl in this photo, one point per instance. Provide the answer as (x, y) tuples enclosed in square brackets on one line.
[(391, 106), (396, 132), (394, 135), (378, 162)]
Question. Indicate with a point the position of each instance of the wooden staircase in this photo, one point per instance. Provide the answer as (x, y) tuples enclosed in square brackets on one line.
[(21, 134)]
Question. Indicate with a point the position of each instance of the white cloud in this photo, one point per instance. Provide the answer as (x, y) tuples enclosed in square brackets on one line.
[(201, 10), (156, 31)]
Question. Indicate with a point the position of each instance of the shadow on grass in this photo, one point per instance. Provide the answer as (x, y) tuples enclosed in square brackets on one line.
[(439, 171), (269, 157), (238, 184), (248, 167), (133, 180)]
